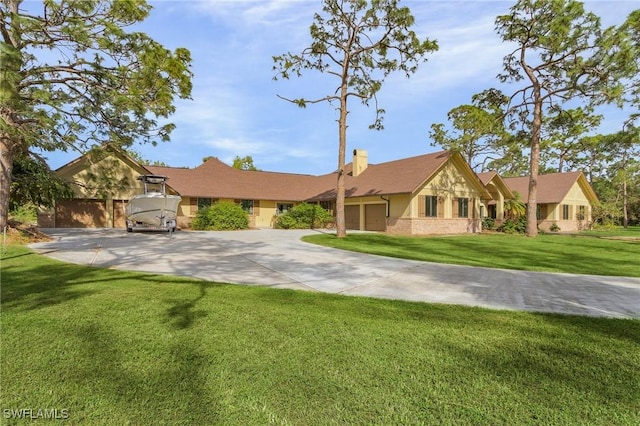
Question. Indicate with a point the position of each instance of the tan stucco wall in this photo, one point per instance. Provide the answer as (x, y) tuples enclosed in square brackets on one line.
[(450, 183), (109, 178), (552, 213)]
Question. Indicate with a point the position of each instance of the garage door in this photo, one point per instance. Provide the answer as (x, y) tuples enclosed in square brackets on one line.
[(118, 213), (81, 214), (375, 217), (352, 217)]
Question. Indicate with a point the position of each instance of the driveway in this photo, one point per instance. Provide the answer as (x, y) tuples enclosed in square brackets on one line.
[(278, 259)]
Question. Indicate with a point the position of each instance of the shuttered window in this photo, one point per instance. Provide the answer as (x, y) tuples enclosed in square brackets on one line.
[(428, 206)]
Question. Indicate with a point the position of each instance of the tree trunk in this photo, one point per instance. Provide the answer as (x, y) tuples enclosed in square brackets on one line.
[(532, 203), (625, 213), (341, 230), (6, 167)]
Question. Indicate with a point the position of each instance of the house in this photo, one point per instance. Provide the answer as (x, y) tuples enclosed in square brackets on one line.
[(434, 193), (564, 199)]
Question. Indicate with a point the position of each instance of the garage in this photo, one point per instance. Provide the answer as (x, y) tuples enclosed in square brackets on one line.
[(375, 217), (119, 217), (352, 217), (80, 213)]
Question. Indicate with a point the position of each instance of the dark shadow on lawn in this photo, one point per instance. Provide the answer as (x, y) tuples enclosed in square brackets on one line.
[(172, 389), (182, 314)]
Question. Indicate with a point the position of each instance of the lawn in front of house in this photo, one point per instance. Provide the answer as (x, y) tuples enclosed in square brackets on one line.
[(115, 347), (614, 253)]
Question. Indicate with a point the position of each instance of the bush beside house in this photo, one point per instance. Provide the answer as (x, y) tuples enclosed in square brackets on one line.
[(304, 216), (222, 216)]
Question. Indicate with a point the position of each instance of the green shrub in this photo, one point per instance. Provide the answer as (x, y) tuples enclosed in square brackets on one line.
[(554, 227), (304, 216), (222, 216), (488, 223), (25, 213), (514, 226)]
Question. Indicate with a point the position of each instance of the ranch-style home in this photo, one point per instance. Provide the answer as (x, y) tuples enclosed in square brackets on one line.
[(429, 194)]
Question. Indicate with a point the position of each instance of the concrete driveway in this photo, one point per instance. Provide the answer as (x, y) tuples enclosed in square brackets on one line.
[(278, 259)]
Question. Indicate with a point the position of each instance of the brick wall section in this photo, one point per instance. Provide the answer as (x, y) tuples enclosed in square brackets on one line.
[(425, 226), (565, 225)]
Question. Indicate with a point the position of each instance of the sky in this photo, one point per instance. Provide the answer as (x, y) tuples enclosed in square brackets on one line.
[(235, 109)]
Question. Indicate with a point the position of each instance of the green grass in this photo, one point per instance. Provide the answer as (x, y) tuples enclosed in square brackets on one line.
[(115, 347), (594, 253)]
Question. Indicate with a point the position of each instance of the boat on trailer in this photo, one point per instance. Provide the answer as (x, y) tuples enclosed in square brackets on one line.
[(154, 208)]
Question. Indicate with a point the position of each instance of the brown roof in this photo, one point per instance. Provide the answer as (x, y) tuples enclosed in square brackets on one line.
[(485, 177), (393, 177), (552, 188), (215, 179)]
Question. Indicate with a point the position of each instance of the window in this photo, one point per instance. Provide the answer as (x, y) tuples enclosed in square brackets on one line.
[(431, 206), (582, 210), (247, 206), (203, 203), (463, 207), (283, 208), (565, 212)]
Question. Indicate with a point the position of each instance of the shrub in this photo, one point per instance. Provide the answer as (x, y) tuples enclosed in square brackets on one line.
[(488, 223), (222, 216), (554, 227), (514, 226), (25, 213), (304, 216)]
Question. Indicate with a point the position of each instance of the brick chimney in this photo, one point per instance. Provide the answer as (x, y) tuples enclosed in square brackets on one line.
[(360, 161)]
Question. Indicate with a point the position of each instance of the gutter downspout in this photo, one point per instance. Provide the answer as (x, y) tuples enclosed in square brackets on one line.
[(388, 204)]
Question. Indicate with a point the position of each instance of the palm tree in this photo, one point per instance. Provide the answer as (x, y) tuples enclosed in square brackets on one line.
[(515, 207)]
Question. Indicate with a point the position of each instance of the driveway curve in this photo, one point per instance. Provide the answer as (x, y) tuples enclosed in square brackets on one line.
[(279, 259)]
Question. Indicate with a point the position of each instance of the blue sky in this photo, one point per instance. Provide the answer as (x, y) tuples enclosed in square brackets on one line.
[(235, 109)]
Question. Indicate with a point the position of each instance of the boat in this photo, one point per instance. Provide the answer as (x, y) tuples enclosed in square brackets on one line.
[(154, 208)]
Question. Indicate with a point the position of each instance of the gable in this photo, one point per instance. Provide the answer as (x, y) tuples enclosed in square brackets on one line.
[(104, 173), (496, 185), (454, 179), (554, 188)]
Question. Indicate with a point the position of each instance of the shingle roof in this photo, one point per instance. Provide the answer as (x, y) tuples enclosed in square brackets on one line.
[(215, 179), (498, 181), (485, 177), (552, 188)]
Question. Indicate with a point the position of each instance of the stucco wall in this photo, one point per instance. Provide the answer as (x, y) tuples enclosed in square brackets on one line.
[(449, 183), (109, 177)]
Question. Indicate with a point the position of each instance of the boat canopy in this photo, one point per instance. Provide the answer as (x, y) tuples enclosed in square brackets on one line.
[(153, 179)]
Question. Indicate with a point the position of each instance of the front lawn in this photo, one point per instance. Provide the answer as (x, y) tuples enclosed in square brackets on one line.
[(114, 347), (596, 253)]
